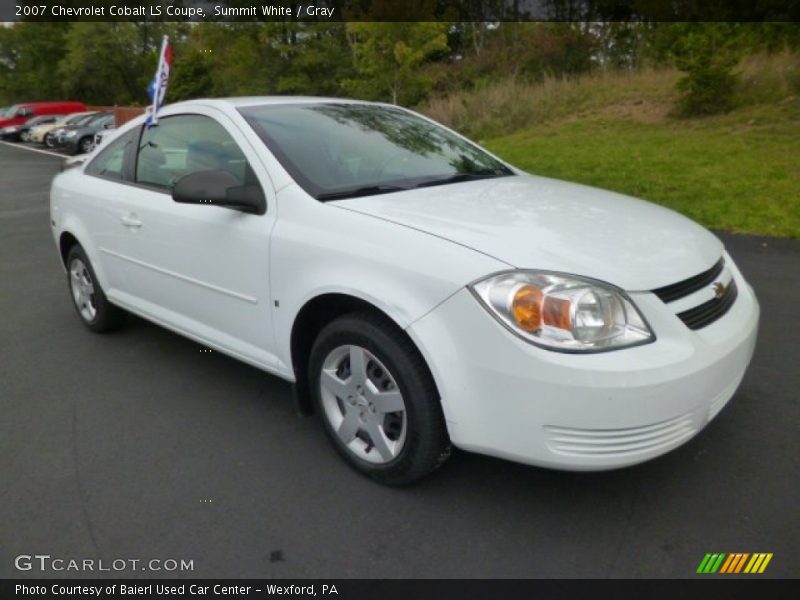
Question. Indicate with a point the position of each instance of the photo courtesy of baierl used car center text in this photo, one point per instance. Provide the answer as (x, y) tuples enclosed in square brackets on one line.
[(420, 299)]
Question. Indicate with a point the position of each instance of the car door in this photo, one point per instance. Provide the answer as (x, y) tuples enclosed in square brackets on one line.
[(198, 269)]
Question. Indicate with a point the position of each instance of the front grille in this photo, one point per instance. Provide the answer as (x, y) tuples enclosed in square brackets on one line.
[(679, 290), (708, 312), (620, 442)]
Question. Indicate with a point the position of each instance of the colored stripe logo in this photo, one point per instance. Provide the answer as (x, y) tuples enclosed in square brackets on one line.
[(735, 562)]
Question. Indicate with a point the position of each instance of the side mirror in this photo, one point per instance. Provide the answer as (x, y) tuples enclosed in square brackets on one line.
[(219, 188)]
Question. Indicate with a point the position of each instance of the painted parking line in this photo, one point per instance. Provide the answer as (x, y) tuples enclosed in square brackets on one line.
[(34, 149)]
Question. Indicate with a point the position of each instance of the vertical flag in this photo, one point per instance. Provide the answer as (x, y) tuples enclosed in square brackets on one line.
[(158, 87)]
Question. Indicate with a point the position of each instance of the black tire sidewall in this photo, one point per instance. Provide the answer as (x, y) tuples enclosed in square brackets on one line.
[(424, 421), (106, 316)]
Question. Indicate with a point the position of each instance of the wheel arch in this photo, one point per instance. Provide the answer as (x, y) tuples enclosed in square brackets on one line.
[(315, 314), (71, 235), (66, 241)]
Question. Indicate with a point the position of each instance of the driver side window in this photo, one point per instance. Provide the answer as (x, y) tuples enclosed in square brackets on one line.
[(112, 161), (184, 144)]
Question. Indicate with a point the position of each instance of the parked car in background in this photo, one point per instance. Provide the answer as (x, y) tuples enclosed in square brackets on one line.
[(79, 139), (20, 113), (50, 138), (104, 135), (37, 134), (16, 133)]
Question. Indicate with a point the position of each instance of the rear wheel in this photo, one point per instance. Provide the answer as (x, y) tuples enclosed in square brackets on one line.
[(94, 309), (377, 400)]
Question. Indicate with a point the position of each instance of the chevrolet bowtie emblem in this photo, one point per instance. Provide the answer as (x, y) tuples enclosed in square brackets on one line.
[(719, 289)]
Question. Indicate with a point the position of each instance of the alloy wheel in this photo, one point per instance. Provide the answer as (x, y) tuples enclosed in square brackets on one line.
[(80, 282), (87, 145), (363, 404)]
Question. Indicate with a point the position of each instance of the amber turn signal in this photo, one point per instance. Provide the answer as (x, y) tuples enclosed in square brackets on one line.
[(527, 308)]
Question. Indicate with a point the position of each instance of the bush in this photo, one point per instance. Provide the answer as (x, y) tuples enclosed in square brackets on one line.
[(707, 54)]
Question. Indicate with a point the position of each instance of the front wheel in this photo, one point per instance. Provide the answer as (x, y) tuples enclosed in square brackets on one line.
[(86, 145), (377, 400), (49, 141), (94, 309)]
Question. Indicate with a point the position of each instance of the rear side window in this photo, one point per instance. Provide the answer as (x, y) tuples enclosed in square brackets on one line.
[(112, 161), (186, 144)]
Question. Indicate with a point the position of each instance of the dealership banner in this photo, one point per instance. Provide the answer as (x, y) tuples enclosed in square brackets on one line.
[(390, 589), (397, 10)]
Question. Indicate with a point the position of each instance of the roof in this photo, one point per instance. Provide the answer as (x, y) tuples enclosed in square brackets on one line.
[(242, 101)]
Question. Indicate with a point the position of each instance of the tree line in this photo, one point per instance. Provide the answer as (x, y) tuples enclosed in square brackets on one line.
[(402, 62)]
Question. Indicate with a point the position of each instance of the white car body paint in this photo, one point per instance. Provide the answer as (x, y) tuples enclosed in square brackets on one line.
[(236, 282)]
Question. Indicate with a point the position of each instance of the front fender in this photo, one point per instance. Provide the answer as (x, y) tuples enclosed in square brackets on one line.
[(403, 272)]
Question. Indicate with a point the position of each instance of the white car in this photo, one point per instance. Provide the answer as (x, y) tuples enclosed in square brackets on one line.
[(417, 290)]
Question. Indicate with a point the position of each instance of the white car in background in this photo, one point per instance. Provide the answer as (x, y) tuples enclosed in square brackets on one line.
[(39, 133), (417, 289)]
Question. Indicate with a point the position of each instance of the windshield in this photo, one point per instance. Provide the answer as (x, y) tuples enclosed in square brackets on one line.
[(82, 119), (337, 151), (95, 118), (10, 112)]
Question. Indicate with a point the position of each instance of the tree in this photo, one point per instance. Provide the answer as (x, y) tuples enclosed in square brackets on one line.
[(111, 62), (28, 59), (388, 59), (317, 59), (707, 53)]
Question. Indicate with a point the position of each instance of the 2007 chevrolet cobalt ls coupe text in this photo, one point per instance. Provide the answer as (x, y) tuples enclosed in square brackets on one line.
[(417, 290)]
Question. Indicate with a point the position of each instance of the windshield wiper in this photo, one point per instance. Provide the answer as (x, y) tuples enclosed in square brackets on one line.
[(367, 190), (457, 177)]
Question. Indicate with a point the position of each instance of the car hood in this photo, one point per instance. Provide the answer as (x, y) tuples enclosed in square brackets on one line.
[(45, 127), (538, 223)]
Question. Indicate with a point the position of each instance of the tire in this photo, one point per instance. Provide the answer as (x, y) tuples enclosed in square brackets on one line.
[(85, 145), (362, 369), (91, 304), (49, 141), (25, 136)]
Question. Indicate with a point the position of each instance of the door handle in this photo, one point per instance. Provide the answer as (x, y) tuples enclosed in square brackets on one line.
[(130, 221)]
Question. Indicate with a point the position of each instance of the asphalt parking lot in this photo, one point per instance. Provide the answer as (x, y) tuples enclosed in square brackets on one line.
[(138, 445)]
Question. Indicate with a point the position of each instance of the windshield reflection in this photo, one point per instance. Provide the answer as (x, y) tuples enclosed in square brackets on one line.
[(337, 151)]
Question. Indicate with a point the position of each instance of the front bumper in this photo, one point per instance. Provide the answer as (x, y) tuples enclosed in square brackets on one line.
[(68, 144), (505, 397), (10, 136)]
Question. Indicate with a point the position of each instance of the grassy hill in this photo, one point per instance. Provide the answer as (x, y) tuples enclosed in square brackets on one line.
[(737, 172)]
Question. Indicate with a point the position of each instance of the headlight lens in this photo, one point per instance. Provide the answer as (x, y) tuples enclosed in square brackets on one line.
[(71, 134), (563, 312)]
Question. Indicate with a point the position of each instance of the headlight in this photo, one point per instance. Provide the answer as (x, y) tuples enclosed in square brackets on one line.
[(563, 312), (71, 134), (9, 129)]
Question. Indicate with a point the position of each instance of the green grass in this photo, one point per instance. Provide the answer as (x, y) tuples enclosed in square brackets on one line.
[(738, 172)]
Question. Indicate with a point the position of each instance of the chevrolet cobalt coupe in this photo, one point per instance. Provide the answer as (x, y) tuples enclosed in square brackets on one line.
[(418, 291)]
